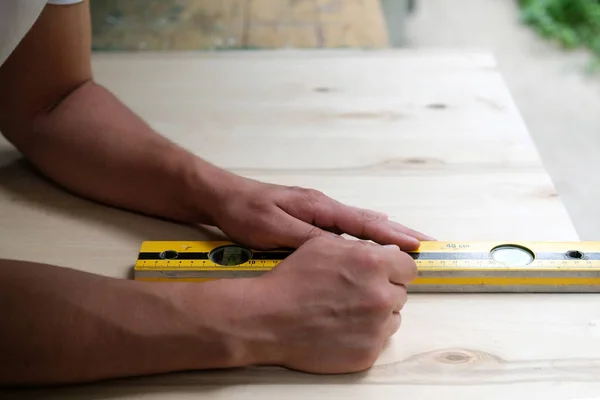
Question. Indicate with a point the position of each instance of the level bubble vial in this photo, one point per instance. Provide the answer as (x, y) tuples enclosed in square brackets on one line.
[(230, 255), (169, 255), (512, 255)]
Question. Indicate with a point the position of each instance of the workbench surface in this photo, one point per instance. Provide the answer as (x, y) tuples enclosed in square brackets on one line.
[(432, 138)]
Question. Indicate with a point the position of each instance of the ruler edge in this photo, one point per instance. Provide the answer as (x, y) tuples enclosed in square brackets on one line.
[(210, 245)]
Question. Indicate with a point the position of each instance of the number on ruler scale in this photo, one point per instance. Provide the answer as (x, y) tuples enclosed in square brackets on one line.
[(457, 246)]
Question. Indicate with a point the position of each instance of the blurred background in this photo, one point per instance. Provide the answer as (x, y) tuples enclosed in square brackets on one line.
[(548, 52)]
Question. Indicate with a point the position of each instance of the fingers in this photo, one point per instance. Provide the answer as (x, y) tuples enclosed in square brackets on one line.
[(383, 232), (394, 320), (380, 216), (410, 232), (372, 213), (402, 267), (322, 214), (371, 225), (398, 267), (392, 325), (292, 232), (401, 297)]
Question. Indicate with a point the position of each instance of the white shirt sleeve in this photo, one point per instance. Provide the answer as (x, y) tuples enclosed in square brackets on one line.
[(16, 19)]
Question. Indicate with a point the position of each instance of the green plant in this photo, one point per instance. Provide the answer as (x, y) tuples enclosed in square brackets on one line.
[(572, 23)]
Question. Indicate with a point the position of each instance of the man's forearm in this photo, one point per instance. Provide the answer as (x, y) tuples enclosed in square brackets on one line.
[(66, 326), (95, 146)]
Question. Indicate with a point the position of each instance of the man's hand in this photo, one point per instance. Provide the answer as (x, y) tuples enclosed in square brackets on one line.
[(264, 215), (328, 308), (331, 306)]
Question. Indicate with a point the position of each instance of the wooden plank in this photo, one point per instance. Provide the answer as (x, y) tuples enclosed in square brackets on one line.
[(231, 24), (275, 23), (432, 138), (340, 32), (167, 25)]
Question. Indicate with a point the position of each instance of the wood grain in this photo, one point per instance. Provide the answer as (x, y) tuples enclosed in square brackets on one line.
[(432, 138), (234, 24), (167, 25)]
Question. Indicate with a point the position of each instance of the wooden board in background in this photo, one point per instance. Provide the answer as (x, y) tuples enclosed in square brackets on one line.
[(234, 24)]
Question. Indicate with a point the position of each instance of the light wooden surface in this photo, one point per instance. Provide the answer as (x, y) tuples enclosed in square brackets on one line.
[(432, 138), (236, 24)]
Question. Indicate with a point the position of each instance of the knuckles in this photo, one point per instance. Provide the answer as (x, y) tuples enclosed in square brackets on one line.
[(402, 299), (307, 192), (379, 301), (305, 203), (320, 243), (308, 196), (313, 232), (367, 256)]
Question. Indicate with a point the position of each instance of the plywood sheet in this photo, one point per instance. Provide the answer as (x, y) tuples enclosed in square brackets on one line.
[(432, 138)]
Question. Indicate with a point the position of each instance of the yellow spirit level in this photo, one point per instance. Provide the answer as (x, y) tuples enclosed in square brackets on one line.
[(443, 266)]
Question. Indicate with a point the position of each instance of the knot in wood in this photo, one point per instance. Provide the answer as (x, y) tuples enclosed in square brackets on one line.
[(455, 357)]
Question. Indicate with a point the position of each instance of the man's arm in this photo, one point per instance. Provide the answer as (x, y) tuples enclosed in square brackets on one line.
[(81, 136), (66, 326)]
